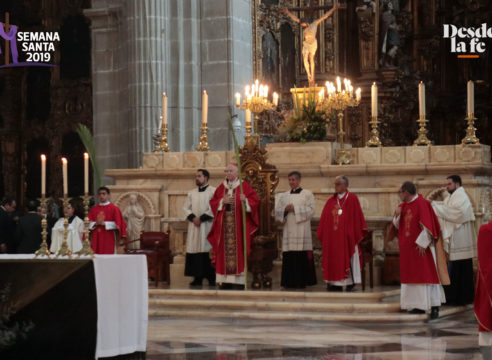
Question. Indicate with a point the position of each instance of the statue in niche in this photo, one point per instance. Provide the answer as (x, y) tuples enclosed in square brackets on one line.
[(389, 37), (310, 44), (134, 216)]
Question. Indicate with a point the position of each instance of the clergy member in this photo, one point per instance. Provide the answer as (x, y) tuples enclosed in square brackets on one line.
[(226, 234), (106, 224), (294, 209), (199, 216), (418, 232), (457, 219), (483, 297), (341, 228)]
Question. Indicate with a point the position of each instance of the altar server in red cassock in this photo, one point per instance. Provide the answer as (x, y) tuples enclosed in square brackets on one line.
[(106, 224), (226, 234), (341, 228), (421, 248), (483, 293)]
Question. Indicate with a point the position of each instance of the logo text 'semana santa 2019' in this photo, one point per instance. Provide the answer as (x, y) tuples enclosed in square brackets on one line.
[(26, 48), (467, 42)]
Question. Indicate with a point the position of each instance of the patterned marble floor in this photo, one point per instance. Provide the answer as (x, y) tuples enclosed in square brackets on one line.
[(448, 338)]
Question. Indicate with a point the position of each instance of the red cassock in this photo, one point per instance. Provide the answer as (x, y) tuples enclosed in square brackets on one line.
[(103, 241), (414, 217), (483, 293), (340, 234), (229, 258)]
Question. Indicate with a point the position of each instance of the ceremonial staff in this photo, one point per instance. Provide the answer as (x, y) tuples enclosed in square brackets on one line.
[(243, 206)]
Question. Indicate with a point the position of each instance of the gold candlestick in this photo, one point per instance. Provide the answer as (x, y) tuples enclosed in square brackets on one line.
[(374, 140), (161, 140), (43, 250), (86, 245), (64, 250), (422, 139), (203, 139), (470, 137)]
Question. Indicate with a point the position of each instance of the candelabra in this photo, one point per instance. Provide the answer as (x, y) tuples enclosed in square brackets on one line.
[(86, 245), (64, 250), (43, 250), (203, 139), (338, 100), (374, 140), (470, 137), (256, 101), (160, 139), (422, 139)]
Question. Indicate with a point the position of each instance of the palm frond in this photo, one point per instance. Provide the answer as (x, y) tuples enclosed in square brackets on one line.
[(88, 141)]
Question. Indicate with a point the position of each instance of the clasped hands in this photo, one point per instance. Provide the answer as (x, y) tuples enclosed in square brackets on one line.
[(289, 208), (230, 199)]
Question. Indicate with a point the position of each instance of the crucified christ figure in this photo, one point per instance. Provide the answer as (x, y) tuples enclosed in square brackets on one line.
[(310, 44)]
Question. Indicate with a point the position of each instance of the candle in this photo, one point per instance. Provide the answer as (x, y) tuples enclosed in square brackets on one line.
[(164, 109), (265, 89), (422, 99), (43, 175), (238, 99), (160, 122), (471, 98), (65, 180), (357, 94), (86, 173), (204, 107), (374, 100), (248, 117), (339, 84), (275, 99)]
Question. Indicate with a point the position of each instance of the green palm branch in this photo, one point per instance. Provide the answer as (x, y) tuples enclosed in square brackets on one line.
[(90, 146)]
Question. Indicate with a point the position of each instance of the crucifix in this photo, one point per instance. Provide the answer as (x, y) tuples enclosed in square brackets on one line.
[(310, 44)]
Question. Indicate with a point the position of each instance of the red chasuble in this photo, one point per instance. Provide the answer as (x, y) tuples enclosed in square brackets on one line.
[(226, 234), (103, 241), (415, 268), (340, 232), (483, 293)]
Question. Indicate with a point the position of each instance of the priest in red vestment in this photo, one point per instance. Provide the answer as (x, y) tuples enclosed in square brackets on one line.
[(106, 224), (418, 234), (226, 234), (341, 228), (483, 293)]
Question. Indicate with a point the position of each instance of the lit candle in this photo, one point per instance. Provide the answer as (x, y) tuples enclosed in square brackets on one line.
[(265, 89), (204, 107), (160, 122), (248, 117), (164, 108), (422, 99), (86, 173), (339, 84), (65, 177), (43, 174), (246, 91), (238, 99), (357, 94), (374, 100), (471, 98), (256, 87), (275, 99)]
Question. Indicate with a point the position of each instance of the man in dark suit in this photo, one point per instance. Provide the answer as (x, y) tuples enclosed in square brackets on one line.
[(7, 225), (29, 230)]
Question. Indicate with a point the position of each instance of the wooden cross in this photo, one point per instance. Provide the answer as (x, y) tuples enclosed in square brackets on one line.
[(311, 9), (6, 27)]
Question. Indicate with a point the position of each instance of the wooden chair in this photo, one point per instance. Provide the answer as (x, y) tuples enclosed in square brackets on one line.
[(367, 258), (155, 246)]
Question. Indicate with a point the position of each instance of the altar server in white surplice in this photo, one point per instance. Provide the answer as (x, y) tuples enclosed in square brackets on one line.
[(199, 215), (295, 208), (457, 219), (75, 231)]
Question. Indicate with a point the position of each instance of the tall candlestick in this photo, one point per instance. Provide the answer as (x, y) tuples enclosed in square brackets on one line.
[(43, 175), (204, 107), (374, 100), (164, 109), (422, 99), (471, 98), (65, 178), (86, 173)]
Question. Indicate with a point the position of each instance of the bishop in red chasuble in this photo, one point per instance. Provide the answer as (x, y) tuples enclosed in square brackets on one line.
[(483, 293)]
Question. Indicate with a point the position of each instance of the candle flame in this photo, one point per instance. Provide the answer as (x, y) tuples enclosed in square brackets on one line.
[(86, 155), (64, 160), (43, 157)]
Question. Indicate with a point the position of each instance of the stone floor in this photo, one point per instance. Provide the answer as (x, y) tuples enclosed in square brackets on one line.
[(450, 338)]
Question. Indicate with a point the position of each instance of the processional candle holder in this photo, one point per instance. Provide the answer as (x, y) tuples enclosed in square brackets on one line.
[(86, 245), (374, 140), (339, 100), (161, 139), (43, 250), (470, 138), (256, 101), (422, 139), (203, 139), (64, 250)]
